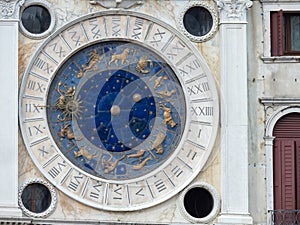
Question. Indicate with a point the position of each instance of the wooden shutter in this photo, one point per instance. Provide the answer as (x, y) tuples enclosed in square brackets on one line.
[(284, 174), (288, 126), (277, 33), (298, 173), (277, 175)]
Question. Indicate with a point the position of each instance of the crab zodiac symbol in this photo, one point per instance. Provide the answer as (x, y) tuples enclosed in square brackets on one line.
[(143, 64)]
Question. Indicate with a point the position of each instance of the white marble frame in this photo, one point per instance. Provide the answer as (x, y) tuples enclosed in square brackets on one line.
[(216, 206), (46, 5), (267, 7), (270, 124), (234, 113), (214, 14), (53, 203), (193, 50)]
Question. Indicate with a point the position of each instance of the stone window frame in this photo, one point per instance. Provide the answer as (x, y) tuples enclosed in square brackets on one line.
[(275, 109), (269, 6), (279, 47)]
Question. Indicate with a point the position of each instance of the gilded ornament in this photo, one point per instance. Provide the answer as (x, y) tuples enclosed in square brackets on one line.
[(92, 63), (110, 165), (83, 152), (159, 81), (157, 143), (140, 153), (166, 93), (65, 131), (123, 57), (168, 116), (142, 65), (142, 164), (62, 100), (136, 97)]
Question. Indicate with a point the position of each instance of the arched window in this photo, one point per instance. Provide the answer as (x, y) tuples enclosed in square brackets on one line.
[(286, 162)]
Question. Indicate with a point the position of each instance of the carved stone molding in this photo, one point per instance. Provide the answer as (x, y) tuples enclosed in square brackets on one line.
[(123, 4), (234, 9), (216, 203), (215, 17), (9, 9), (53, 203), (275, 108)]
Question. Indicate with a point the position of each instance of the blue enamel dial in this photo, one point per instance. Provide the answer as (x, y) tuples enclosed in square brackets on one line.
[(116, 110)]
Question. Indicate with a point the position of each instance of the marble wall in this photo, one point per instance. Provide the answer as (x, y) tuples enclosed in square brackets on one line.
[(167, 212)]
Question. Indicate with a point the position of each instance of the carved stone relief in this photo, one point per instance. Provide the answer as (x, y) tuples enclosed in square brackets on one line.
[(234, 9), (124, 4), (9, 8), (274, 109)]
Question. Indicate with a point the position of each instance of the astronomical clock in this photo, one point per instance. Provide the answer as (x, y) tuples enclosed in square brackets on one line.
[(118, 110)]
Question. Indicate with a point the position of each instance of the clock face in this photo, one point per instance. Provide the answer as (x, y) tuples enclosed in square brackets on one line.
[(118, 111), (124, 108)]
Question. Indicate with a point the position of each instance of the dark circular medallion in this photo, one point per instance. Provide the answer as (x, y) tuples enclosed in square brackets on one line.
[(36, 19), (198, 21), (198, 202), (36, 198)]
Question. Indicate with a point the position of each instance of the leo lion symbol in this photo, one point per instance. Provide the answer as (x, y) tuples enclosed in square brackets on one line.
[(123, 57)]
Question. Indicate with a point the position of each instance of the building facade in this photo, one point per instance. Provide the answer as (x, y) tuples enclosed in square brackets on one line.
[(150, 112)]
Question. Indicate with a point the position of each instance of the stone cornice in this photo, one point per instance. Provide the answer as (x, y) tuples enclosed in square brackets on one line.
[(110, 4), (9, 9), (233, 10)]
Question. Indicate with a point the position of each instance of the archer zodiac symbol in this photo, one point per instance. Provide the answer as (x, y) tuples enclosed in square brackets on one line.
[(83, 152), (123, 57), (143, 64)]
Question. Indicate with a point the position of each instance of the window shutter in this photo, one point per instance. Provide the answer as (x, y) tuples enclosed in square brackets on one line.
[(288, 185), (288, 126), (284, 174), (277, 33), (298, 172), (277, 175)]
